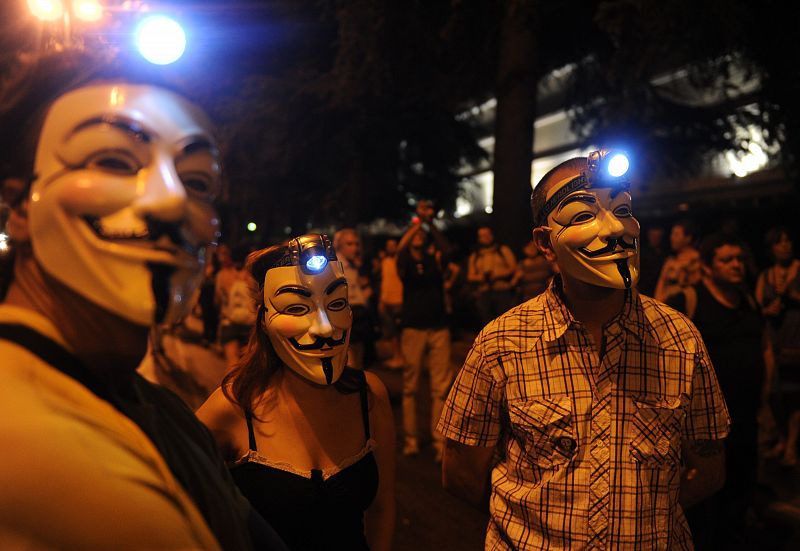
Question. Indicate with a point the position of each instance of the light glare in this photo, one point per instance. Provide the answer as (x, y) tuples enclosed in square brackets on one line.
[(618, 165), (46, 10), (160, 40), (251, 226), (316, 262), (87, 10)]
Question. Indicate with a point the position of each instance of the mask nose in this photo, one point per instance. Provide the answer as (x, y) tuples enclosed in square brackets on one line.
[(321, 325), (163, 197), (610, 226)]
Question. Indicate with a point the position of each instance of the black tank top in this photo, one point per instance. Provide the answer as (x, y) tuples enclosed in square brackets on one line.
[(318, 509)]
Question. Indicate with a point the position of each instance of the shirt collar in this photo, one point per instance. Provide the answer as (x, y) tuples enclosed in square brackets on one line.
[(558, 318)]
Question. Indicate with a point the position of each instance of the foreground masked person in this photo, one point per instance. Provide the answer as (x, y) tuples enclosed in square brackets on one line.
[(94, 456), (311, 442), (594, 409)]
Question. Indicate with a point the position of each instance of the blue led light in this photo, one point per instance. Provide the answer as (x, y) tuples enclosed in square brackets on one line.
[(618, 165), (316, 263), (160, 40)]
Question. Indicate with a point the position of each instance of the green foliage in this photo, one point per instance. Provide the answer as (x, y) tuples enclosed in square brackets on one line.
[(733, 58)]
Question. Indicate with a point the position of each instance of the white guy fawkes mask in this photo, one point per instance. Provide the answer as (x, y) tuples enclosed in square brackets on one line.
[(120, 210), (595, 236), (308, 320)]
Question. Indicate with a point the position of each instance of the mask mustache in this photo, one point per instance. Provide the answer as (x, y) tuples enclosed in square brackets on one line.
[(610, 247), (319, 343)]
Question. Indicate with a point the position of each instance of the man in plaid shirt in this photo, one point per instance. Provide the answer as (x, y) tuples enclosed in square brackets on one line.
[(589, 415)]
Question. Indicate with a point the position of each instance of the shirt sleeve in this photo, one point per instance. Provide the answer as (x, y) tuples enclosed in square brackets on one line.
[(472, 412), (707, 417)]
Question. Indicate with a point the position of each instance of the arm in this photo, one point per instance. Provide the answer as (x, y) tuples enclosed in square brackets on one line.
[(226, 423), (473, 275), (380, 516), (660, 291), (406, 239), (465, 472), (704, 471)]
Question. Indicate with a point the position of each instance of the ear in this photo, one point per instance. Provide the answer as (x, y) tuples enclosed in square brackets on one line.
[(541, 236)]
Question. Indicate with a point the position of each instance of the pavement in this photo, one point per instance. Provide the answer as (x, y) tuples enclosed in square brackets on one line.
[(428, 517)]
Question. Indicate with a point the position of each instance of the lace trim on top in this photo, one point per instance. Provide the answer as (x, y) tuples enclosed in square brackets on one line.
[(252, 456)]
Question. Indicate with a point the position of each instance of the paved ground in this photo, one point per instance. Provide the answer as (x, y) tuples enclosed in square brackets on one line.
[(428, 517)]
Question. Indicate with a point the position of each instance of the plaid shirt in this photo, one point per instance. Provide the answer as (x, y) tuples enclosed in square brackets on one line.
[(588, 449)]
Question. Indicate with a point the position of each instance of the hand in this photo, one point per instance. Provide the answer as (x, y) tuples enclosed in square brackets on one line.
[(425, 211)]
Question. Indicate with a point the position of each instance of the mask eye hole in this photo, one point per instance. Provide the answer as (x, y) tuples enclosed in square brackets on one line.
[(623, 211), (198, 183), (296, 310), (115, 162), (582, 218), (337, 305)]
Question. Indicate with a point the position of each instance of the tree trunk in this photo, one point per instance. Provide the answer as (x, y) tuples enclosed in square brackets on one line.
[(516, 106)]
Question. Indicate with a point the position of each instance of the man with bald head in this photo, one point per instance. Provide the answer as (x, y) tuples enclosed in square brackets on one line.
[(589, 415)]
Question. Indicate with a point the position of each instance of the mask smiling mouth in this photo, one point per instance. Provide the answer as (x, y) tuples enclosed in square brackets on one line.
[(320, 343), (155, 235), (613, 246)]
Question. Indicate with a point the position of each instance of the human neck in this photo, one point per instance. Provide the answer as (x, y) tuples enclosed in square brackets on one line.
[(590, 304), (108, 345), (300, 388), (726, 294)]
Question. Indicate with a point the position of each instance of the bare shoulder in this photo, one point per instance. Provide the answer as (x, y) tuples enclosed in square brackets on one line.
[(377, 388), (218, 411)]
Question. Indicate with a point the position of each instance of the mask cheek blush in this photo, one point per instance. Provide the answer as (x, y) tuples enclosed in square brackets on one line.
[(289, 326)]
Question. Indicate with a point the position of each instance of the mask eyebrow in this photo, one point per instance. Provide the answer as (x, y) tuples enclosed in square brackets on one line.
[(198, 144), (335, 285), (128, 126), (583, 198), (295, 290)]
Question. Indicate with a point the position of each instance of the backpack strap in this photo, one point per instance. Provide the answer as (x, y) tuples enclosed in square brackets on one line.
[(58, 357)]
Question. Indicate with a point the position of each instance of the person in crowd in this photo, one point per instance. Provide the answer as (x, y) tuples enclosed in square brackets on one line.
[(209, 310), (728, 319), (233, 297), (533, 273), (14, 227), (682, 269), (118, 219), (311, 441), (490, 269), (421, 265), (590, 415), (348, 248), (778, 294), (652, 258), (391, 302)]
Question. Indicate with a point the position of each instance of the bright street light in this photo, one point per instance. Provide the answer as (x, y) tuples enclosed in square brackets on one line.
[(160, 40), (47, 10), (87, 10)]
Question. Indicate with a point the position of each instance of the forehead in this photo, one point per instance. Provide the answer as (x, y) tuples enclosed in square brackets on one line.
[(276, 278), (159, 112), (727, 250)]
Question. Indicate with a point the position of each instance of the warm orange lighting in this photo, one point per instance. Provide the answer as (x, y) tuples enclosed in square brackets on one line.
[(46, 10), (87, 10)]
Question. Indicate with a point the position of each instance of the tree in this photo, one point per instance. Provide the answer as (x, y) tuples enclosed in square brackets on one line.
[(735, 56)]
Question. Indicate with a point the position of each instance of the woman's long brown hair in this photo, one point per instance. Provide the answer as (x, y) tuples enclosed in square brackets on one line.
[(259, 362)]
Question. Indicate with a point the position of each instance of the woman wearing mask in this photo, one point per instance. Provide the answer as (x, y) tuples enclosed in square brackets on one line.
[(311, 442)]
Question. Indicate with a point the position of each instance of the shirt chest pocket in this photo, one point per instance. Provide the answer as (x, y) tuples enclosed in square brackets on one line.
[(656, 432), (545, 430)]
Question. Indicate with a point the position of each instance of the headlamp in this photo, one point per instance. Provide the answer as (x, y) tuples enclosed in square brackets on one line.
[(311, 252), (604, 168)]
